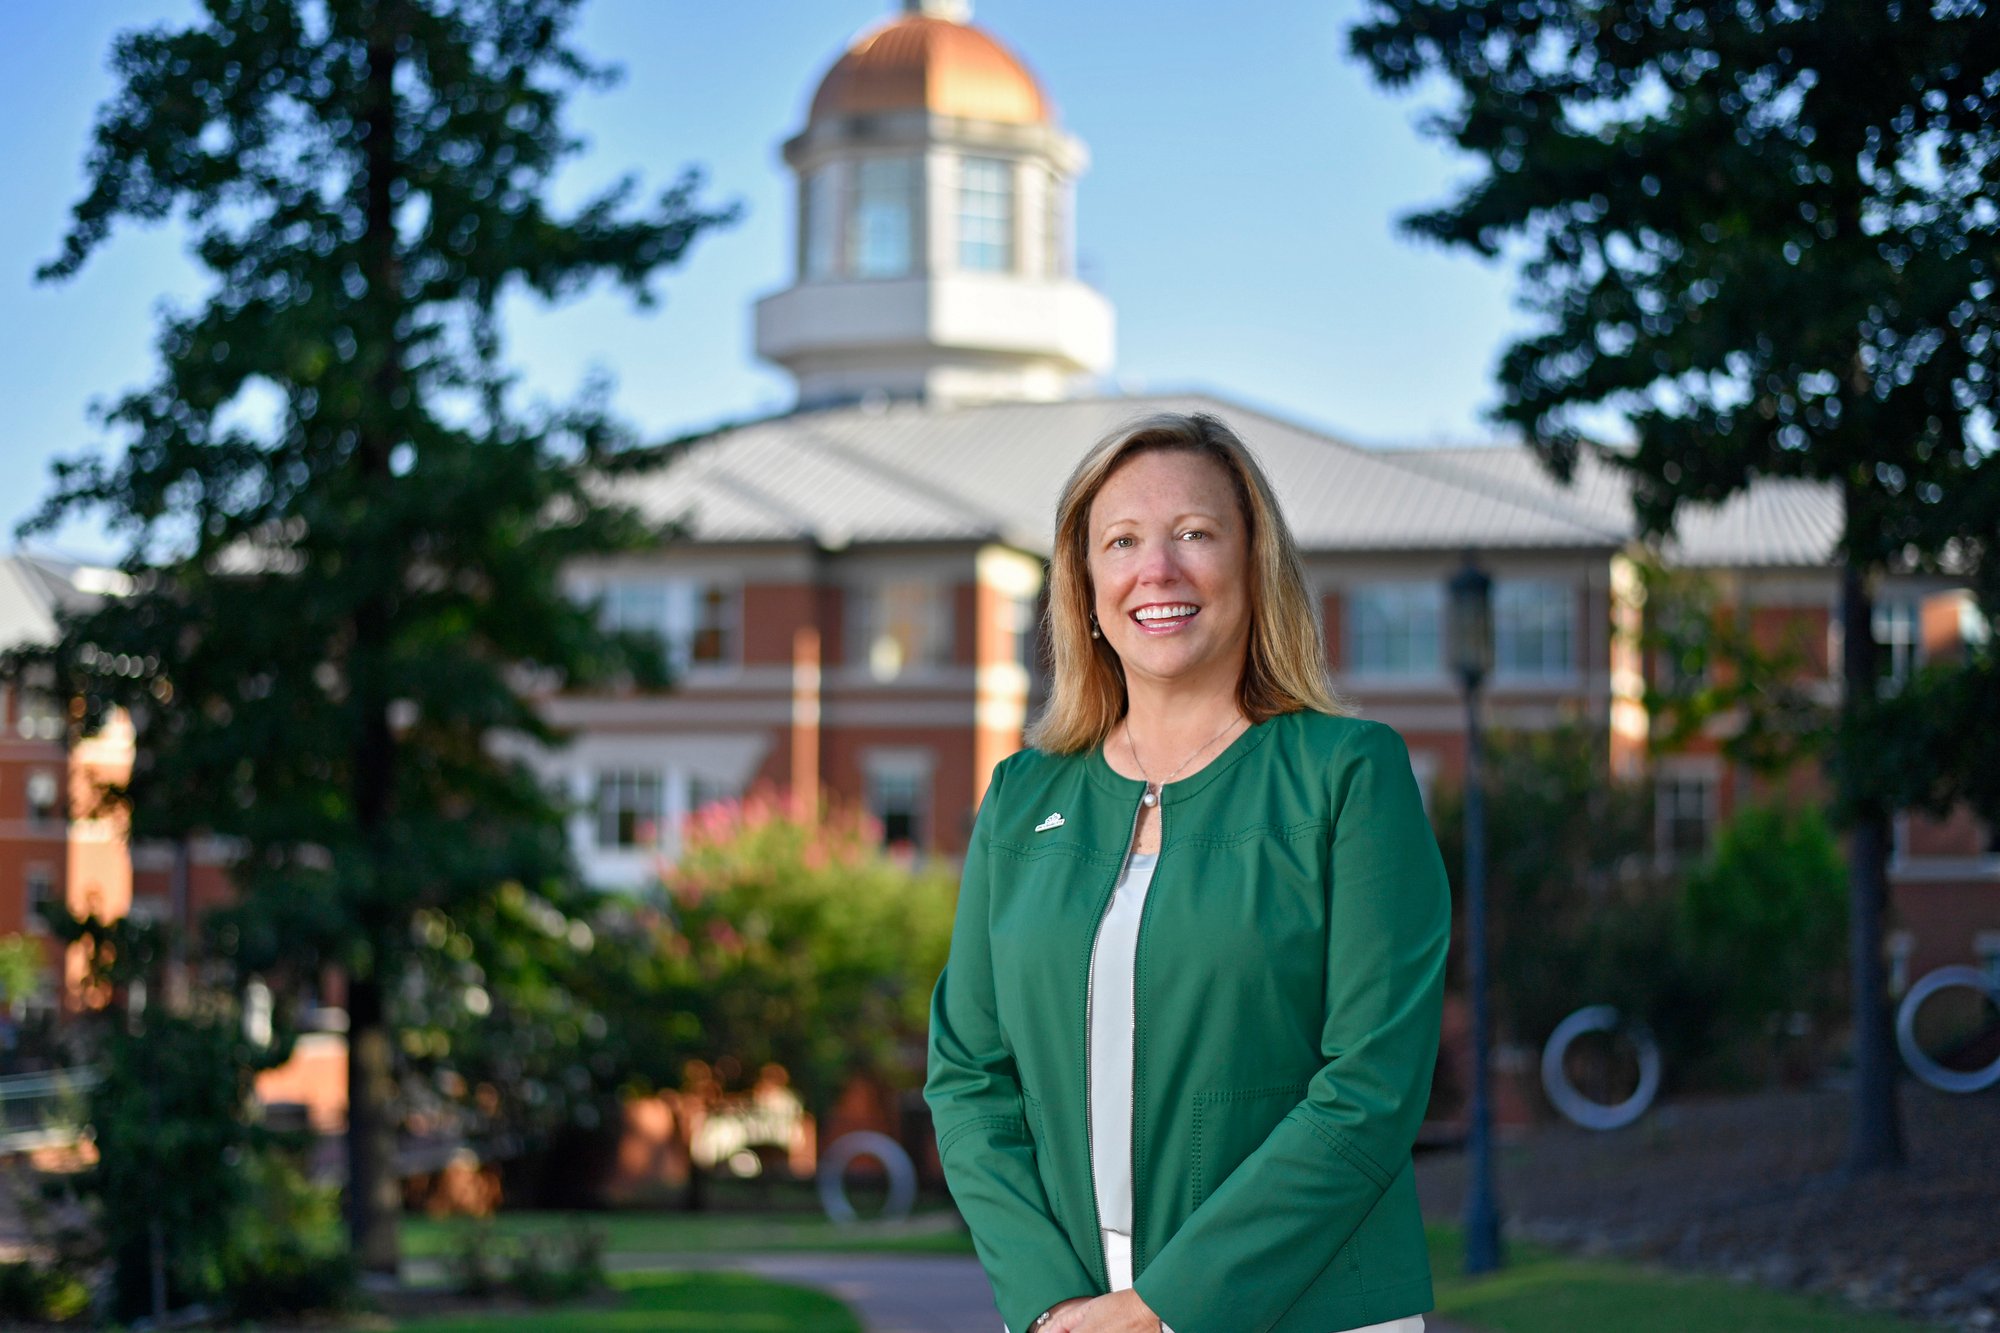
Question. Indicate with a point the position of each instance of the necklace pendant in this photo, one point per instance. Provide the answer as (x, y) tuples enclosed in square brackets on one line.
[(1150, 798)]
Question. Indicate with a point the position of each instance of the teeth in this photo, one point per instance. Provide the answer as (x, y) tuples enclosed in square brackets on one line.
[(1164, 612)]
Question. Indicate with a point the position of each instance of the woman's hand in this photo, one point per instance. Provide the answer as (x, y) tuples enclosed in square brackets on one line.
[(1120, 1312), (1062, 1310)]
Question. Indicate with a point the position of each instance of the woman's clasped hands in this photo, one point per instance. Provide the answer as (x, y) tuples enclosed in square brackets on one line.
[(1119, 1312)]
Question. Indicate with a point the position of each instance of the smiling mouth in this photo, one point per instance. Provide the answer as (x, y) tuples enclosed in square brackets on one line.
[(1166, 617)]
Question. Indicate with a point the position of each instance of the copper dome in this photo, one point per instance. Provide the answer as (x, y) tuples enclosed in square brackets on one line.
[(918, 63)]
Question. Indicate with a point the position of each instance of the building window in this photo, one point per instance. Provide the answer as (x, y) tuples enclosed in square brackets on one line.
[(1394, 629), (42, 792), (1899, 646), (986, 214), (900, 624), (695, 620), (898, 790), (880, 232), (40, 892), (711, 637), (629, 809), (1684, 813), (1534, 629), (39, 719), (819, 224)]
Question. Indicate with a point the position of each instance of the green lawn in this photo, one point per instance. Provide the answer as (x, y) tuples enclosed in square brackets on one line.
[(1543, 1291), (663, 1302), (936, 1232)]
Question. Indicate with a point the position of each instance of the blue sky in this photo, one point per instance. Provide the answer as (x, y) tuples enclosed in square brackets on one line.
[(1239, 212)]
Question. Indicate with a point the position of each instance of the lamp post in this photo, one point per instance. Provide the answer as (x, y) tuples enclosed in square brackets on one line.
[(1470, 639)]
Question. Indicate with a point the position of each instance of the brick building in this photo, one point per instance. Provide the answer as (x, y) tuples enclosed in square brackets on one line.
[(855, 607)]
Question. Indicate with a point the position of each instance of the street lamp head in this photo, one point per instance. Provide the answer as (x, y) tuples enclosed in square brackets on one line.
[(1470, 631)]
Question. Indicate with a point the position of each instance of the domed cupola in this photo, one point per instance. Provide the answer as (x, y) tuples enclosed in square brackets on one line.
[(935, 255)]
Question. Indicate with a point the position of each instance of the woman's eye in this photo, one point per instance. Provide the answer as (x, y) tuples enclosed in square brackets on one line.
[(1120, 541), (1193, 532)]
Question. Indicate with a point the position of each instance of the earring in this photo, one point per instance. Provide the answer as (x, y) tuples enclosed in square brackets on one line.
[(1094, 632)]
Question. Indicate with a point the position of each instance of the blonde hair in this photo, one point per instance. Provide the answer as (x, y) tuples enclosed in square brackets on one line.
[(1284, 668)]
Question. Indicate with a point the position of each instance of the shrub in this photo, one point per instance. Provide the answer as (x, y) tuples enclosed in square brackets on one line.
[(42, 1293), (1766, 915)]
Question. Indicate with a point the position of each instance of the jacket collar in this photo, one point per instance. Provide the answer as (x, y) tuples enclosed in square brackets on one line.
[(1117, 784)]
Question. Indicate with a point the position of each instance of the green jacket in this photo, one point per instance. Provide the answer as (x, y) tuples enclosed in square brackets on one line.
[(1288, 986)]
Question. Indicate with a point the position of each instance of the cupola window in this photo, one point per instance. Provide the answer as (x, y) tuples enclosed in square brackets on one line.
[(881, 229), (820, 225), (986, 215)]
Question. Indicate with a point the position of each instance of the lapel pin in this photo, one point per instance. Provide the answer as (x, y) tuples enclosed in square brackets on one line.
[(1053, 821)]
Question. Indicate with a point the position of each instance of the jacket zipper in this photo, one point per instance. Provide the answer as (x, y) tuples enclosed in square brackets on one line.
[(1089, 985)]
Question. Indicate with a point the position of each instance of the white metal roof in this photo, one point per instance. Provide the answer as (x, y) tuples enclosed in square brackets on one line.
[(904, 472)]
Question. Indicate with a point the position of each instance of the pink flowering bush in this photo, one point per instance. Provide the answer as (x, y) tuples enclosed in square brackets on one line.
[(800, 942)]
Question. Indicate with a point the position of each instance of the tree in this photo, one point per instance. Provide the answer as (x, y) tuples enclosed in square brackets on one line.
[(1763, 231), (776, 939), (343, 539)]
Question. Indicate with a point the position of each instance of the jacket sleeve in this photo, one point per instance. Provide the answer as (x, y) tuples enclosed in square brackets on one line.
[(1254, 1246), (974, 1092)]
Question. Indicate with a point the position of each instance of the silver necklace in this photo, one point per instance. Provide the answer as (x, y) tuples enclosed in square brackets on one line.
[(1151, 795)]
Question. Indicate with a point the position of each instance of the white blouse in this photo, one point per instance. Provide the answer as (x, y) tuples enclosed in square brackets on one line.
[(1111, 1031)]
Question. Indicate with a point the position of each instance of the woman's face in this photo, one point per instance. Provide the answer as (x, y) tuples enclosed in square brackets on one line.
[(1170, 570)]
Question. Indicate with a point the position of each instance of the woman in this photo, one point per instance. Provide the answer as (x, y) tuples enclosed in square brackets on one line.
[(1185, 1035)]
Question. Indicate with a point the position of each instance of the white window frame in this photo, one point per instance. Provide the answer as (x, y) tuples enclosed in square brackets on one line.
[(605, 816), (988, 201), (903, 764), (1705, 769), (1898, 655), (673, 607), (1513, 596), (40, 814), (883, 211), (868, 634), (32, 921), (819, 224), (1420, 605)]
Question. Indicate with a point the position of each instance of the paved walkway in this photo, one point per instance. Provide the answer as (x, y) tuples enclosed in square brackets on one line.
[(893, 1293)]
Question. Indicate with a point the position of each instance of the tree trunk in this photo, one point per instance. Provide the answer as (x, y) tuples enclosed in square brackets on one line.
[(1875, 1135), (374, 1192)]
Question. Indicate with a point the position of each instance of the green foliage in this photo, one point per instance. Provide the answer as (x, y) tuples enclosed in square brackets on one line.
[(1768, 912), (39, 1293), (1565, 852), (344, 536), (1763, 233), (1711, 668), (539, 1266), (286, 1249), (796, 942), (504, 1038), (23, 966)]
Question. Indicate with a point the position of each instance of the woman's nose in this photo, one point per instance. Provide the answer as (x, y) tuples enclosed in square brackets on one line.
[(1162, 563)]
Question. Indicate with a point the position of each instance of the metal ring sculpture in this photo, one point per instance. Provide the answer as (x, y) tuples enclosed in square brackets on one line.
[(866, 1143), (1919, 1060), (1576, 1107)]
